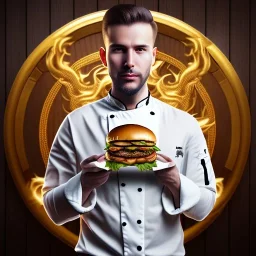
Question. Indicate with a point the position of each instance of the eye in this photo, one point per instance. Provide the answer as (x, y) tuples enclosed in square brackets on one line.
[(118, 49), (140, 49)]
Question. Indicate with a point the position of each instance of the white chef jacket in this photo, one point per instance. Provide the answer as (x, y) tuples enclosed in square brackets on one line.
[(132, 213)]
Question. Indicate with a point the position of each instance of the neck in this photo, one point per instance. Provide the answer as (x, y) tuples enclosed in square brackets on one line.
[(130, 101)]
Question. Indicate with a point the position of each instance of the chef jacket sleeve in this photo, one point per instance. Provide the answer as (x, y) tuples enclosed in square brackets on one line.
[(198, 185), (62, 187)]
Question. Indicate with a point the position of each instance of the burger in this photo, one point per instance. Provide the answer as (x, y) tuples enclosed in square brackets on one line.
[(131, 144)]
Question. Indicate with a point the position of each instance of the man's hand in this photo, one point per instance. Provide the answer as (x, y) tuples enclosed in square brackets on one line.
[(92, 178), (170, 178)]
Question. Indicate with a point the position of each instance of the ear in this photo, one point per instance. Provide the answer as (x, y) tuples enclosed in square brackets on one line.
[(154, 55), (103, 56)]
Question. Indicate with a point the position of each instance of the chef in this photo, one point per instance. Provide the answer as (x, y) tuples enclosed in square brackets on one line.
[(129, 212)]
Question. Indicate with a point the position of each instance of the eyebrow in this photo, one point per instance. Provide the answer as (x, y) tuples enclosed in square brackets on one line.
[(123, 46)]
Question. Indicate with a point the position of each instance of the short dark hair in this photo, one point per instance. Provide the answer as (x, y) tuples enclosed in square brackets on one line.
[(127, 14)]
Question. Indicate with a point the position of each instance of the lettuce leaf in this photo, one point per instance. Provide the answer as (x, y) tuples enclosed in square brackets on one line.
[(146, 166), (156, 148), (107, 146), (114, 166)]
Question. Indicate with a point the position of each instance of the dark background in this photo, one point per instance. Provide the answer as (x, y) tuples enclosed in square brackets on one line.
[(230, 24)]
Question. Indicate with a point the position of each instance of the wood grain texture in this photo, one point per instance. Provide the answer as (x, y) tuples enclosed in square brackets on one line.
[(16, 211), (2, 107), (216, 240), (61, 12), (217, 23), (152, 5), (194, 14), (196, 247), (217, 30), (173, 8), (38, 28), (103, 5), (83, 7), (127, 1), (239, 58), (252, 101)]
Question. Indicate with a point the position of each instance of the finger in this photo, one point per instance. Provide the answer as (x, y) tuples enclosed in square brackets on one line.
[(168, 159), (94, 171), (101, 158), (160, 158), (90, 159)]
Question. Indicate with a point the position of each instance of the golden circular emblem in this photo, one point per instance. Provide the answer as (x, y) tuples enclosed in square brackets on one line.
[(64, 72)]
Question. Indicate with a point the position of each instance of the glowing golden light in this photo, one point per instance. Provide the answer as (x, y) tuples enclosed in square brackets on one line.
[(35, 186), (170, 81), (219, 186)]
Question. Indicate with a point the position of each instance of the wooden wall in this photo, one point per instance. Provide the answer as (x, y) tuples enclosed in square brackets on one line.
[(230, 24)]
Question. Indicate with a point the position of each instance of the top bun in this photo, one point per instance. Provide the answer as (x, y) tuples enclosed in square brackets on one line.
[(130, 132)]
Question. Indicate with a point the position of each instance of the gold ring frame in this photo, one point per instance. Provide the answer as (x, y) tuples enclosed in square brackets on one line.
[(35, 67)]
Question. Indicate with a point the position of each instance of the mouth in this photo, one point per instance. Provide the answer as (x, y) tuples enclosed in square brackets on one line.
[(129, 75)]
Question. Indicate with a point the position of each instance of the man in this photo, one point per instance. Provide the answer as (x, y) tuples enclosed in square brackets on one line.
[(128, 212)]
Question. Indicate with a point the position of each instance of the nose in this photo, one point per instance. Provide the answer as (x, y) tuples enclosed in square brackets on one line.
[(129, 60)]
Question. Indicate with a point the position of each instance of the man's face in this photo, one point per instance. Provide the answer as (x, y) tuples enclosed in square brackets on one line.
[(129, 56)]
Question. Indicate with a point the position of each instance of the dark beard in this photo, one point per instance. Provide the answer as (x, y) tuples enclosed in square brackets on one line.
[(130, 91)]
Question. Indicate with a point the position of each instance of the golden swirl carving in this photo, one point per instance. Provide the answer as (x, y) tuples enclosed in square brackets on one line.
[(170, 81)]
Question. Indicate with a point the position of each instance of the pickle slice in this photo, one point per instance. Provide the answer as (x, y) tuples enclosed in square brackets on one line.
[(131, 148), (143, 143)]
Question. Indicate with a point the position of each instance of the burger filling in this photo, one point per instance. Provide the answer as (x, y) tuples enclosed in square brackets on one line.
[(125, 153)]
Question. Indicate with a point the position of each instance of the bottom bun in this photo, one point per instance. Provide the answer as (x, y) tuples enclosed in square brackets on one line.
[(131, 161)]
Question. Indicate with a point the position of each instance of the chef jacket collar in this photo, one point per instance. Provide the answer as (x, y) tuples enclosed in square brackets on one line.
[(118, 103)]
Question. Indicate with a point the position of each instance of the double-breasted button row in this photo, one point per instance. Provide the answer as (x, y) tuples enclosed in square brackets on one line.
[(123, 185), (151, 113), (124, 223)]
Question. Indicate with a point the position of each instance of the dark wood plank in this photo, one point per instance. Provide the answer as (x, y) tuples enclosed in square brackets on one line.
[(2, 107), (196, 247), (217, 23), (173, 8), (38, 28), (83, 7), (239, 57), (217, 30), (252, 101), (103, 5), (127, 1), (194, 14), (16, 211), (152, 5), (37, 237), (61, 13), (38, 25), (59, 248), (216, 236)]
